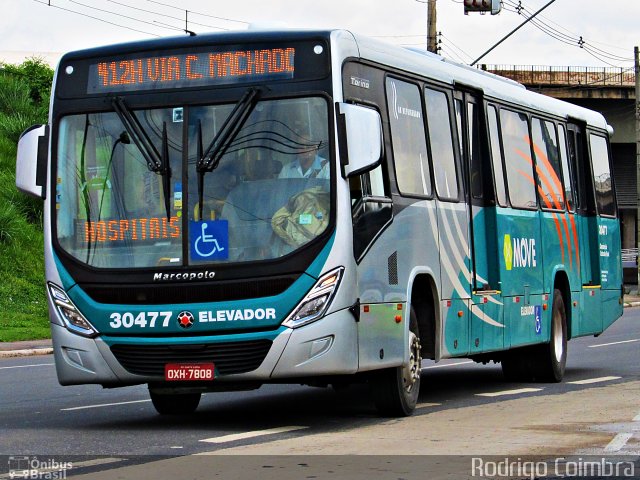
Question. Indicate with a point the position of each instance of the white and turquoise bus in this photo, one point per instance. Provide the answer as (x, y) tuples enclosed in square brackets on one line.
[(315, 207)]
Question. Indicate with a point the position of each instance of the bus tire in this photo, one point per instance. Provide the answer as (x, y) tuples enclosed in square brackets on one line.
[(175, 404), (396, 390), (551, 358)]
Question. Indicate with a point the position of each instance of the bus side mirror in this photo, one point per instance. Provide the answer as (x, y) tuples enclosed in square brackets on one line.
[(360, 139), (31, 164)]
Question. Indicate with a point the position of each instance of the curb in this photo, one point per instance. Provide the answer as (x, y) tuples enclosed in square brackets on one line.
[(26, 353), (631, 304)]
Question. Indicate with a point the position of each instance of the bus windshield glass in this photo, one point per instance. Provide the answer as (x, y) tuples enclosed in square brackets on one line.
[(267, 196)]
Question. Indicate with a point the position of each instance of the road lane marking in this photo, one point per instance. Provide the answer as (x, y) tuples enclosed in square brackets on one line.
[(448, 365), (509, 392), (256, 433), (636, 418), (618, 442), (102, 405), (614, 343), (589, 381), (27, 366), (424, 405)]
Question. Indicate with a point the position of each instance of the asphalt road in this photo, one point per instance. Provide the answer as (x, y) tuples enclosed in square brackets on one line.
[(103, 428)]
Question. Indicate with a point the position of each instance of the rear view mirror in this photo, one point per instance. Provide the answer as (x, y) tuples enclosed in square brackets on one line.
[(360, 138), (31, 164)]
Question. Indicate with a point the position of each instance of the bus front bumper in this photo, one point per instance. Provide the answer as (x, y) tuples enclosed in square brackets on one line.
[(326, 347)]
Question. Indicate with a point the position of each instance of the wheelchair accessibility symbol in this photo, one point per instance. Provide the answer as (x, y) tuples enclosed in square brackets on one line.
[(538, 314), (209, 240)]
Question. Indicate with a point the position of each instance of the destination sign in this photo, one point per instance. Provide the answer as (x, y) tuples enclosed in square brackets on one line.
[(195, 69)]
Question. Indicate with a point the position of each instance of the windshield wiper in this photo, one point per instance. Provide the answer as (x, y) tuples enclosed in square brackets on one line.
[(157, 162), (209, 159)]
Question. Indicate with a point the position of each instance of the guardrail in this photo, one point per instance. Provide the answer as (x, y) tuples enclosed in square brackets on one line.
[(554, 75), (629, 257)]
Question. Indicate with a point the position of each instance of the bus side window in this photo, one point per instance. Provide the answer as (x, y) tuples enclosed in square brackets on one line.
[(605, 200), (517, 156), (441, 142), (370, 208), (475, 152), (408, 138), (496, 156), (569, 181), (545, 147)]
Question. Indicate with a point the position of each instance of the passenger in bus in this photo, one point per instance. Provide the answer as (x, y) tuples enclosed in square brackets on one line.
[(308, 165)]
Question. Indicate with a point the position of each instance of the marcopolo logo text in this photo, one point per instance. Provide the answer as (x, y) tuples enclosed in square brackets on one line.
[(182, 276)]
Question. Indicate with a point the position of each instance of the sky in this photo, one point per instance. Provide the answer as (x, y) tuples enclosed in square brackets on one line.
[(608, 28)]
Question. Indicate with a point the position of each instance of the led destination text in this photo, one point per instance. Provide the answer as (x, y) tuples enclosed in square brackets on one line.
[(135, 229), (194, 69)]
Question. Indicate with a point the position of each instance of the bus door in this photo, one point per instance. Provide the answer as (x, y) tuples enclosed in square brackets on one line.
[(485, 331), (590, 309)]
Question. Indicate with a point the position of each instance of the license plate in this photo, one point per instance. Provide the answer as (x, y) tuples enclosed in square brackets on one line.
[(180, 372)]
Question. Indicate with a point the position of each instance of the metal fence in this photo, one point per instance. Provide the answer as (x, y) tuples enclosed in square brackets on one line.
[(553, 75), (630, 257)]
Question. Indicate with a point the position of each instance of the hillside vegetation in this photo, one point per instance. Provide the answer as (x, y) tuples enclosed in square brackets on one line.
[(24, 101)]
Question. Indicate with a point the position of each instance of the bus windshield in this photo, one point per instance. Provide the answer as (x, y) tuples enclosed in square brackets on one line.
[(267, 196)]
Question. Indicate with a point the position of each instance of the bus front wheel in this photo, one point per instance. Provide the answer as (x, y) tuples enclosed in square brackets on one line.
[(175, 404), (396, 390)]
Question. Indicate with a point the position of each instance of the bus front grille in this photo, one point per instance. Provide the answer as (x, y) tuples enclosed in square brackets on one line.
[(220, 291), (228, 358)]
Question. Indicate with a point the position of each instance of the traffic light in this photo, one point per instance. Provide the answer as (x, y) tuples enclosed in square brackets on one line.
[(482, 6)]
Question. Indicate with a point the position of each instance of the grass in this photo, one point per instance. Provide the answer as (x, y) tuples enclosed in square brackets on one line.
[(24, 92), (23, 304)]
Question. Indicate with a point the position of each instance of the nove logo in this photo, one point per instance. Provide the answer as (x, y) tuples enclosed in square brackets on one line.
[(519, 252), (508, 252)]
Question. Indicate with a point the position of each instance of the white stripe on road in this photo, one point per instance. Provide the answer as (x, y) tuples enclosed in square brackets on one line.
[(614, 343), (448, 365), (636, 418), (426, 404), (256, 433), (102, 405), (27, 366), (509, 392), (589, 381), (618, 442)]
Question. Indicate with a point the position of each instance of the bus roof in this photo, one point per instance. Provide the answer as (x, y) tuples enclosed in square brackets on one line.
[(410, 60), (493, 86)]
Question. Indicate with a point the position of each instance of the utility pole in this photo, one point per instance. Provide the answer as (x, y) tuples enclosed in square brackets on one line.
[(636, 57), (432, 35)]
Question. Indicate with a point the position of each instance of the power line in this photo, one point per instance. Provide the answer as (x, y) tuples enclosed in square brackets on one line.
[(449, 41), (573, 39), (167, 16), (95, 18), (198, 13), (121, 15)]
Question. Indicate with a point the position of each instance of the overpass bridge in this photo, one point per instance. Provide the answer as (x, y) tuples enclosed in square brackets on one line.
[(611, 91)]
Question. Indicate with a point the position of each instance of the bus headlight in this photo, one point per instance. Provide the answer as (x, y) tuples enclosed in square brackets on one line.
[(316, 302), (73, 319)]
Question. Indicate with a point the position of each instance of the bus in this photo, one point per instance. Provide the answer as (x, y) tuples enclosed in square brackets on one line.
[(228, 210)]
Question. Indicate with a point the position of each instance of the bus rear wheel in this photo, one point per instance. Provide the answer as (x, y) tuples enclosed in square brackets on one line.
[(396, 390), (175, 404), (551, 358)]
